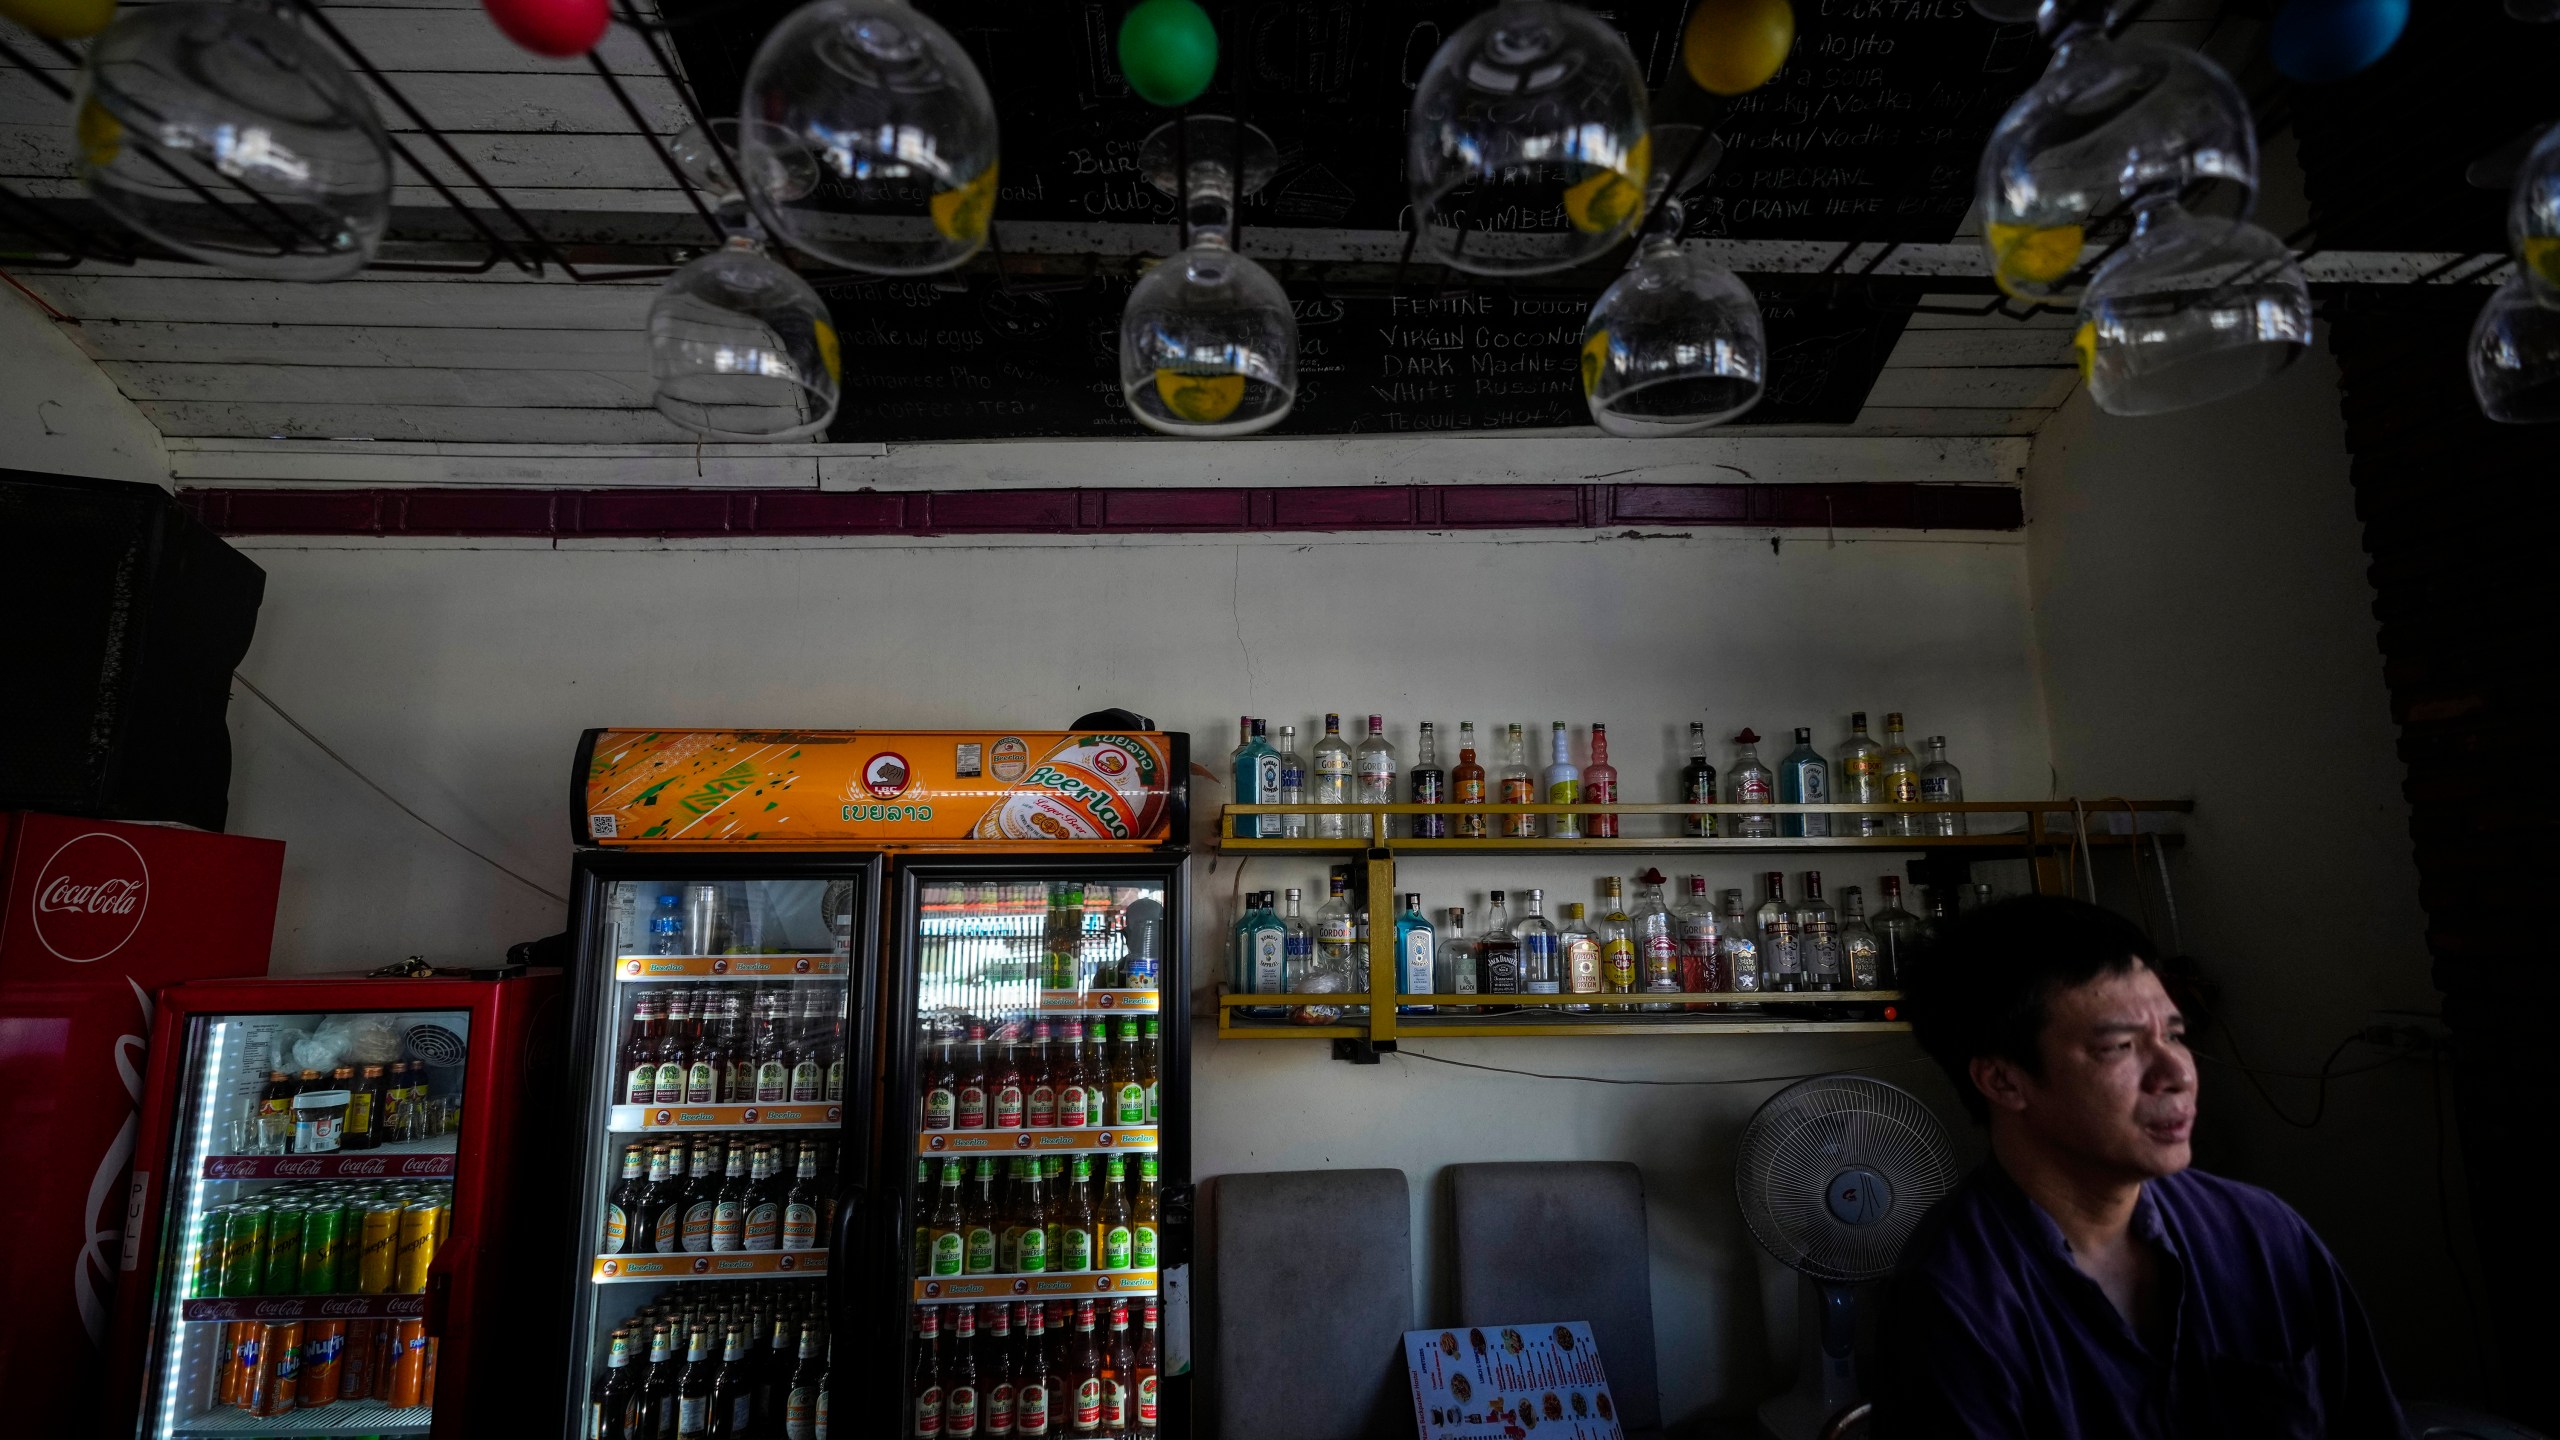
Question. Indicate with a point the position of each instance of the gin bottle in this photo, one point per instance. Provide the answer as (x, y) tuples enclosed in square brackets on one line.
[(1617, 942), (1818, 936), (1429, 787), (1941, 783), (1600, 785), (1580, 947), (1293, 783), (1518, 788), (1738, 942), (1541, 967), (1804, 778), (1333, 781), (1897, 934), (1858, 778), (1859, 948), (1781, 956), (1657, 936), (1698, 784), (1466, 784), (1376, 767), (1454, 965), (1417, 956), (1564, 786), (1750, 783), (1901, 773), (1330, 974), (1257, 773), (1262, 944), (1500, 952)]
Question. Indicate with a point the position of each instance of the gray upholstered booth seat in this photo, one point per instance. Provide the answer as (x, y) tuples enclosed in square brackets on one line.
[(1562, 1240), (1309, 1293)]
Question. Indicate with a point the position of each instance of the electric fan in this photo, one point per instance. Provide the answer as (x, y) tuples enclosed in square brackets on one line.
[(1832, 1174)]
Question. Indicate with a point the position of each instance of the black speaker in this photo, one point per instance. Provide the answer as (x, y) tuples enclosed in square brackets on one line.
[(125, 617)]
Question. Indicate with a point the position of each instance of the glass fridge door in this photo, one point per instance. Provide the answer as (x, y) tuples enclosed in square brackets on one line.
[(312, 1184), (1034, 1082), (726, 1056)]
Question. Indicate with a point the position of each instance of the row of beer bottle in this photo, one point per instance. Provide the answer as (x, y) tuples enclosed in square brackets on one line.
[(1063, 1071), (1034, 1368), (758, 1201), (689, 1048), (1052, 1215), (755, 1372)]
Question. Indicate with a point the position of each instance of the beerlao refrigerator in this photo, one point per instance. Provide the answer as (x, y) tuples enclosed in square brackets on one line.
[(96, 916), (340, 1171), (781, 936)]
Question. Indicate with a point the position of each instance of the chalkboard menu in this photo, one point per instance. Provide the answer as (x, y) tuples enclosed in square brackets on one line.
[(1869, 132)]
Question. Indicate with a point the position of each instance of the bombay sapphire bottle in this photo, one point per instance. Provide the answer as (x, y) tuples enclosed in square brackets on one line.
[(1804, 778), (1262, 949), (1416, 956), (1257, 783), (1293, 783)]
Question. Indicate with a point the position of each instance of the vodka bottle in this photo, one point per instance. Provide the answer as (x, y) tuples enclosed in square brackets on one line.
[(1617, 942), (1858, 778), (1818, 936), (1897, 934), (1701, 940), (1518, 788), (1297, 940), (1859, 951), (1293, 783), (1900, 770), (1500, 950), (1541, 968), (1430, 787), (1738, 942), (1564, 786), (1657, 937), (1804, 778), (1257, 774), (1375, 766), (1333, 781), (1698, 784), (1359, 960), (1417, 958), (1781, 956), (1579, 947), (1454, 964), (1600, 785), (1466, 784), (1940, 783), (1750, 783), (1330, 972)]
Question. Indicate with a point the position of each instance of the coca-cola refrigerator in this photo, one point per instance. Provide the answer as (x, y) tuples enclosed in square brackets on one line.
[(344, 1175), (829, 984), (96, 916)]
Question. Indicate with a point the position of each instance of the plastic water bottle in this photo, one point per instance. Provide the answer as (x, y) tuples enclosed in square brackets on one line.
[(666, 928)]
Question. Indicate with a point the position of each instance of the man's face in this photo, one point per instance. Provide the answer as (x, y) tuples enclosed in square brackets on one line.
[(2118, 1092)]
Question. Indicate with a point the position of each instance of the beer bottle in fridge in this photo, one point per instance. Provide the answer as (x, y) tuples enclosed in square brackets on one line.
[(675, 1051), (1004, 1082), (622, 1207), (658, 1390), (995, 1371), (1031, 1385), (1128, 1104), (800, 1406), (1040, 1101), (981, 1223), (924, 1227), (1032, 1245), (1142, 1216), (737, 1065), (949, 1243), (1076, 1104), (702, 1055), (733, 1390), (960, 1375), (764, 1207), (640, 1052), (941, 1087), (1144, 1369), (1119, 1362), (693, 1392), (729, 1212), (773, 1048), (969, 1106), (702, 1197), (1097, 1087), (1082, 1378), (1076, 1219), (1111, 1229), (924, 1382), (664, 1204), (801, 1207), (609, 1404)]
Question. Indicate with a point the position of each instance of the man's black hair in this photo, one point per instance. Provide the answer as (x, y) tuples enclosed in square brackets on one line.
[(1982, 986)]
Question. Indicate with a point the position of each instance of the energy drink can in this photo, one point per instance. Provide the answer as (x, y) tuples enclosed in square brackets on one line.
[(417, 1247), (378, 1236), (244, 1250)]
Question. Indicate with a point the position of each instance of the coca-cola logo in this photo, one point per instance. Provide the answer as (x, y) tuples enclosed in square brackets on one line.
[(298, 1167), (348, 1306), (230, 1169), (267, 1308), (90, 897), (427, 1165), (363, 1167)]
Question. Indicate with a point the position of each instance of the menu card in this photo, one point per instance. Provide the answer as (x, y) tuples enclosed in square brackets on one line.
[(1510, 1382)]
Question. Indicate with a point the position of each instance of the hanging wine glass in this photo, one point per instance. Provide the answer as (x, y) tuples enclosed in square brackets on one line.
[(2189, 312), (1208, 344), (1526, 150), (228, 135), (899, 123), (742, 349), (2533, 217), (786, 169), (2110, 123), (1676, 345), (2515, 356)]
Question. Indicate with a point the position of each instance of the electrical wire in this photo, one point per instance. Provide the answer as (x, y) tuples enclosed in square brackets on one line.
[(1615, 1080), (2320, 1098), (344, 764)]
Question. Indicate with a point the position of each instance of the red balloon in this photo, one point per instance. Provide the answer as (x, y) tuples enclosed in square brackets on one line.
[(558, 28)]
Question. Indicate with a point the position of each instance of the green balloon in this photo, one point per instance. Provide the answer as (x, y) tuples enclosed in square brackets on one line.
[(1169, 50)]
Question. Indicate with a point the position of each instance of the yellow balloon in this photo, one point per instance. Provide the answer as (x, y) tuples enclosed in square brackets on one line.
[(2542, 257), (1605, 200), (2084, 343), (1732, 47), (2027, 259), (1199, 399), (100, 134), (61, 19), (1595, 354), (831, 351), (962, 213)]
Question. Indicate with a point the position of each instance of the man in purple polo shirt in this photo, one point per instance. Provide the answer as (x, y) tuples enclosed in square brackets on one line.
[(2084, 1283)]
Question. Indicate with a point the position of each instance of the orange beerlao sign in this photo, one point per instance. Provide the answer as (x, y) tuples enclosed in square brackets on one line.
[(815, 789)]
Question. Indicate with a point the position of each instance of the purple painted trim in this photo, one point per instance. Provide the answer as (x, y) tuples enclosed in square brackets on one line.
[(689, 514)]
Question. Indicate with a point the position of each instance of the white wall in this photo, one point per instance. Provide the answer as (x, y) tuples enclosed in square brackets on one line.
[(459, 676), (2205, 628), (60, 413)]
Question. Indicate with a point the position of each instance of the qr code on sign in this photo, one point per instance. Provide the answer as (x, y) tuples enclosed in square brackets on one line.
[(603, 827)]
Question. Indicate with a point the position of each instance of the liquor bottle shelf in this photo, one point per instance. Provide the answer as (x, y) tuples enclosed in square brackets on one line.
[(730, 967), (960, 1289), (407, 1160), (278, 1309), (1536, 1015), (1099, 1002), (346, 1417), (1089, 1139), (718, 1265), (803, 1115), (2030, 833)]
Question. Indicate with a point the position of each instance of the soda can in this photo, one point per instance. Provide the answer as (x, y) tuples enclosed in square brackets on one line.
[(324, 1344), (207, 1276), (405, 1386), (283, 1264), (350, 1208), (377, 1238), (427, 1384), (417, 1247), (244, 1250), (278, 1373), (239, 1356), (356, 1360), (321, 1240)]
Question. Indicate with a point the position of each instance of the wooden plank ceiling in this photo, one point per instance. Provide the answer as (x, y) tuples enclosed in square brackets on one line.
[(502, 359)]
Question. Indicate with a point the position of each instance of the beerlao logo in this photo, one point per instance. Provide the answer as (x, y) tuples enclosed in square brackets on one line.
[(885, 775), (90, 897)]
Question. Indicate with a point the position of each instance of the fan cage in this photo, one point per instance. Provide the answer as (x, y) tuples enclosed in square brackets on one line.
[(1803, 1137)]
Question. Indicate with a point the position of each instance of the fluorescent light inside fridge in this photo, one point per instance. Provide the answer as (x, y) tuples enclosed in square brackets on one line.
[(191, 1257)]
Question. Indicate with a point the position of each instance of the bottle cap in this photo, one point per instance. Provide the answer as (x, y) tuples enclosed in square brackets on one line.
[(1857, 719), (1893, 719), (1747, 737), (1413, 900), (1497, 897), (1574, 911), (1650, 877), (1937, 740)]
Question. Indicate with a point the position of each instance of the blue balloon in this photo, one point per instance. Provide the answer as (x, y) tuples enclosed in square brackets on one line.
[(2323, 40)]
